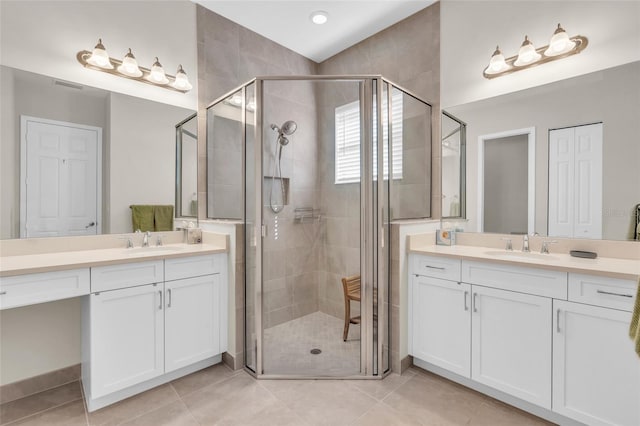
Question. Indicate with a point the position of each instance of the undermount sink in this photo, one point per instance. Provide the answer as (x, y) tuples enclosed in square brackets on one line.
[(153, 249), (519, 255)]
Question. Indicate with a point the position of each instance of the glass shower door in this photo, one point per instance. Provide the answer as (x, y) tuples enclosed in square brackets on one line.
[(311, 212)]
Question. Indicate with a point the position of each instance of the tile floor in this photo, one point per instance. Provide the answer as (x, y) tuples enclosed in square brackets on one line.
[(287, 347), (220, 396)]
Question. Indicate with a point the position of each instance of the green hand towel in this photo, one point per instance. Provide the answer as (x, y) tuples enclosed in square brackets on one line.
[(142, 217), (163, 216), (634, 330)]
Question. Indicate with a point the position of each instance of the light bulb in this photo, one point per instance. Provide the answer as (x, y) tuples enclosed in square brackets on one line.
[(527, 54), (497, 63), (157, 74), (99, 57), (182, 81), (560, 43), (319, 17), (129, 66)]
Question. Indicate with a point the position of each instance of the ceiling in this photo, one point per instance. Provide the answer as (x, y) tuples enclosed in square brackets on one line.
[(288, 23)]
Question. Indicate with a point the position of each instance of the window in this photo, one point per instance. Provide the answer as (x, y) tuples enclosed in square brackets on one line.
[(348, 141)]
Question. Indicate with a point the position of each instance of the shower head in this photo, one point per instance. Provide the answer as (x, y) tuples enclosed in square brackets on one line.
[(289, 127)]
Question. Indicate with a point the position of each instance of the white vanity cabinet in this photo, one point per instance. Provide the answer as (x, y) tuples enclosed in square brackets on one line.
[(193, 314), (550, 342), (126, 338), (441, 314), (511, 343), (141, 329), (596, 376)]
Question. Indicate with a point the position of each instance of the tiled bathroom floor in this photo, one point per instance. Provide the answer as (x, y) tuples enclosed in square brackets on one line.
[(220, 396), (287, 347)]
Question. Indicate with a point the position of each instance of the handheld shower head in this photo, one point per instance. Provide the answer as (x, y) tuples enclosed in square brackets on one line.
[(289, 127)]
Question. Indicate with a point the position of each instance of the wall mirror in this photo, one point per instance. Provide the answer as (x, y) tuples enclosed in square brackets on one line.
[(454, 148), (565, 116), (186, 174), (132, 162)]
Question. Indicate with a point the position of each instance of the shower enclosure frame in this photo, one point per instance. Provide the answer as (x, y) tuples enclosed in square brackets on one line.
[(375, 220)]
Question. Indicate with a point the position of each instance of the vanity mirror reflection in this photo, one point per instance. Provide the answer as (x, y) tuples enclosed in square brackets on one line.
[(131, 161), (563, 187)]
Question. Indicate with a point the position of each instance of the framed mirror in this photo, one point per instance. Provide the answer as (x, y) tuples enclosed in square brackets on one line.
[(608, 201), (133, 155)]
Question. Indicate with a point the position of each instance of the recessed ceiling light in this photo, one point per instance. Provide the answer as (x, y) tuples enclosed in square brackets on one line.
[(319, 17)]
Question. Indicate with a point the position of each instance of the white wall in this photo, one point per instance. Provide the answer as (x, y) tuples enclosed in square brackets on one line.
[(470, 31), (45, 36), (142, 153)]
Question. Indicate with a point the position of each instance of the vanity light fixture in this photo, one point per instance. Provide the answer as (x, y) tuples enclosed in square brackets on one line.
[(319, 17), (99, 60), (560, 46)]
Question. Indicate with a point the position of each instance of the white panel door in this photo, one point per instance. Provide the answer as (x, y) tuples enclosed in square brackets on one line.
[(511, 343), (561, 165), (127, 337), (588, 181), (575, 182), (441, 323), (192, 320), (596, 376), (60, 177)]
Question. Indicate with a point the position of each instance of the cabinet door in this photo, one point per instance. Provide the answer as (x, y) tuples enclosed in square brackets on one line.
[(192, 320), (441, 323), (127, 338), (511, 343), (596, 376)]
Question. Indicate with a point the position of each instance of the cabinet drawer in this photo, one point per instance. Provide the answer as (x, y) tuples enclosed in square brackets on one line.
[(30, 289), (602, 291), (537, 281), (104, 278), (193, 266), (445, 268)]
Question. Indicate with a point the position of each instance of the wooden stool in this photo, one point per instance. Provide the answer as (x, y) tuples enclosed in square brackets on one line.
[(351, 287)]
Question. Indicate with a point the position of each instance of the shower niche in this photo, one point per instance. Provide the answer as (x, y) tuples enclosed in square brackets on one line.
[(316, 168)]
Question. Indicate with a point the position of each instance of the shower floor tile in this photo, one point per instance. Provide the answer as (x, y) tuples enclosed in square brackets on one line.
[(287, 347)]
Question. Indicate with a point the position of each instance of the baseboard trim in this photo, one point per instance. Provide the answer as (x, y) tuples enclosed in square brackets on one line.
[(501, 396), (97, 403), (32, 385)]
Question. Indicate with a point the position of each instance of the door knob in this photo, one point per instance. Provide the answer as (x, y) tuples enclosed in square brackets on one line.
[(90, 225)]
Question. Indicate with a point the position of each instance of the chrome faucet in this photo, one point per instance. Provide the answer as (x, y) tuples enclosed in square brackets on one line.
[(145, 239), (508, 246), (525, 243), (545, 246)]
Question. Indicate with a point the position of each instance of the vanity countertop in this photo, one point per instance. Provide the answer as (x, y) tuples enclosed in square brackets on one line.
[(48, 262), (618, 268)]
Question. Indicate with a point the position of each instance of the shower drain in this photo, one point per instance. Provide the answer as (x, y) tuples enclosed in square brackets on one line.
[(315, 351)]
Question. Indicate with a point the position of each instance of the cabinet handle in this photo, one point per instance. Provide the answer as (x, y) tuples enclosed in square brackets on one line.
[(614, 294), (3, 292), (434, 267), (475, 308), (558, 320), (169, 298), (466, 293), (160, 293)]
